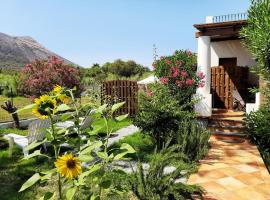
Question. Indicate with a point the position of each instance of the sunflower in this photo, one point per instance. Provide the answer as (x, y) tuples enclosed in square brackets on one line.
[(61, 94), (57, 89), (44, 106), (68, 166)]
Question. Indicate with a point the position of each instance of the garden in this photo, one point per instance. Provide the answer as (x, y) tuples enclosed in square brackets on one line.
[(72, 157), (61, 139)]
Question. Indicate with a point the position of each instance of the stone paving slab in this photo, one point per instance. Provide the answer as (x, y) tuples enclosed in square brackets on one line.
[(232, 170), (123, 132)]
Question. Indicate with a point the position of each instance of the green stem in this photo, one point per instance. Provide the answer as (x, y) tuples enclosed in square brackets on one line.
[(108, 134), (56, 153), (59, 186)]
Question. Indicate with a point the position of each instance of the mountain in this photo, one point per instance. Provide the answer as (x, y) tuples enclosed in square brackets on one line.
[(15, 52)]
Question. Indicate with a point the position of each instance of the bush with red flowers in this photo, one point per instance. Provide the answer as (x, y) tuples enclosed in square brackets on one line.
[(179, 73), (41, 76)]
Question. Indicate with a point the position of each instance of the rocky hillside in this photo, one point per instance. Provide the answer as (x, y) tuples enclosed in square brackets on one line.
[(15, 52)]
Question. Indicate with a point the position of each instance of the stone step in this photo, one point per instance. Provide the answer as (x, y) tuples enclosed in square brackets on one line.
[(226, 129), (226, 122), (239, 134), (224, 115)]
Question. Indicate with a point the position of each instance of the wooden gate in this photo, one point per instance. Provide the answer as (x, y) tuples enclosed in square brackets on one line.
[(119, 91), (223, 81)]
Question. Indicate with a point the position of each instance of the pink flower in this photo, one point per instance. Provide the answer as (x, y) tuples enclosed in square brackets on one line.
[(168, 62), (184, 74), (178, 62), (149, 93), (178, 83), (189, 82), (175, 71), (201, 85), (201, 75), (188, 52), (164, 80)]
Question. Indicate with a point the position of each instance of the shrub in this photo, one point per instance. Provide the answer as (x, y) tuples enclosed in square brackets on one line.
[(155, 183), (41, 76), (159, 114), (256, 35), (193, 140), (257, 128), (179, 73)]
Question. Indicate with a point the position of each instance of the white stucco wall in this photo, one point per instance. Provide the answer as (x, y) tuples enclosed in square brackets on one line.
[(229, 49)]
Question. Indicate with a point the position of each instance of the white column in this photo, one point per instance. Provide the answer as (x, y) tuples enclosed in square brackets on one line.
[(204, 61), (204, 106)]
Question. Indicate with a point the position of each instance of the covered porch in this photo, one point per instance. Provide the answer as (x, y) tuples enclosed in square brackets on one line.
[(225, 62)]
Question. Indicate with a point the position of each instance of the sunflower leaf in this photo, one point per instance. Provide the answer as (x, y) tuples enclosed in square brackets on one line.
[(63, 107), (34, 145), (117, 106), (121, 117), (34, 154), (31, 181), (48, 196), (70, 193), (28, 107)]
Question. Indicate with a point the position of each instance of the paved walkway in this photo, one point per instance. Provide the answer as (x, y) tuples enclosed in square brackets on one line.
[(233, 170), (121, 133)]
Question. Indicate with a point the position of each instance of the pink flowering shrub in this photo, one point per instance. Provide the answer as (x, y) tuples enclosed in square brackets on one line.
[(41, 76), (179, 73)]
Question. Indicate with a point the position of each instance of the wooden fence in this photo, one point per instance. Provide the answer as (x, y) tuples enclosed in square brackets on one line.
[(119, 91)]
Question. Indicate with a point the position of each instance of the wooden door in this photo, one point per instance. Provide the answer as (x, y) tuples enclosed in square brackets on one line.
[(225, 79)]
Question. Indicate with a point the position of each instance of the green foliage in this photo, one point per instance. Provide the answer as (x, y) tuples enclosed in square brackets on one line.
[(8, 83), (142, 143), (257, 127), (154, 183), (193, 140), (111, 71), (124, 68), (160, 113), (256, 35)]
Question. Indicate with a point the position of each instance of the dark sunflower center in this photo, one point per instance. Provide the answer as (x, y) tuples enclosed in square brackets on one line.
[(71, 164), (43, 106)]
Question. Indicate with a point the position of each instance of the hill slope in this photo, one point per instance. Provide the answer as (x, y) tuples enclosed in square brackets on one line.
[(15, 52)]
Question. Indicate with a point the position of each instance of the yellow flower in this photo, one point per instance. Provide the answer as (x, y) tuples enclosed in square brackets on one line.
[(64, 99), (68, 166), (57, 89), (44, 106)]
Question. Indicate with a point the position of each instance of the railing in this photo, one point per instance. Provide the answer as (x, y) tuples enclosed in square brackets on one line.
[(230, 17)]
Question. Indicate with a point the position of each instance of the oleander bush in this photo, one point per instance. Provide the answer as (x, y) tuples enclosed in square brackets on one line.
[(171, 101), (179, 73), (41, 76)]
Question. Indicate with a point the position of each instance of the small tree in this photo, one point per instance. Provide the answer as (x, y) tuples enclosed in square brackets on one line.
[(256, 35), (41, 76)]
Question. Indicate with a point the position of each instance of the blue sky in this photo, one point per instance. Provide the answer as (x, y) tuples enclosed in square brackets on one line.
[(97, 31)]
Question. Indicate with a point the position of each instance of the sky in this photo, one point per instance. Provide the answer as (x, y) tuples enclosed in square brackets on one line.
[(99, 31)]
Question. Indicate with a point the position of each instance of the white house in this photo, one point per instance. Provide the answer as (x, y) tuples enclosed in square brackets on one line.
[(226, 63)]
